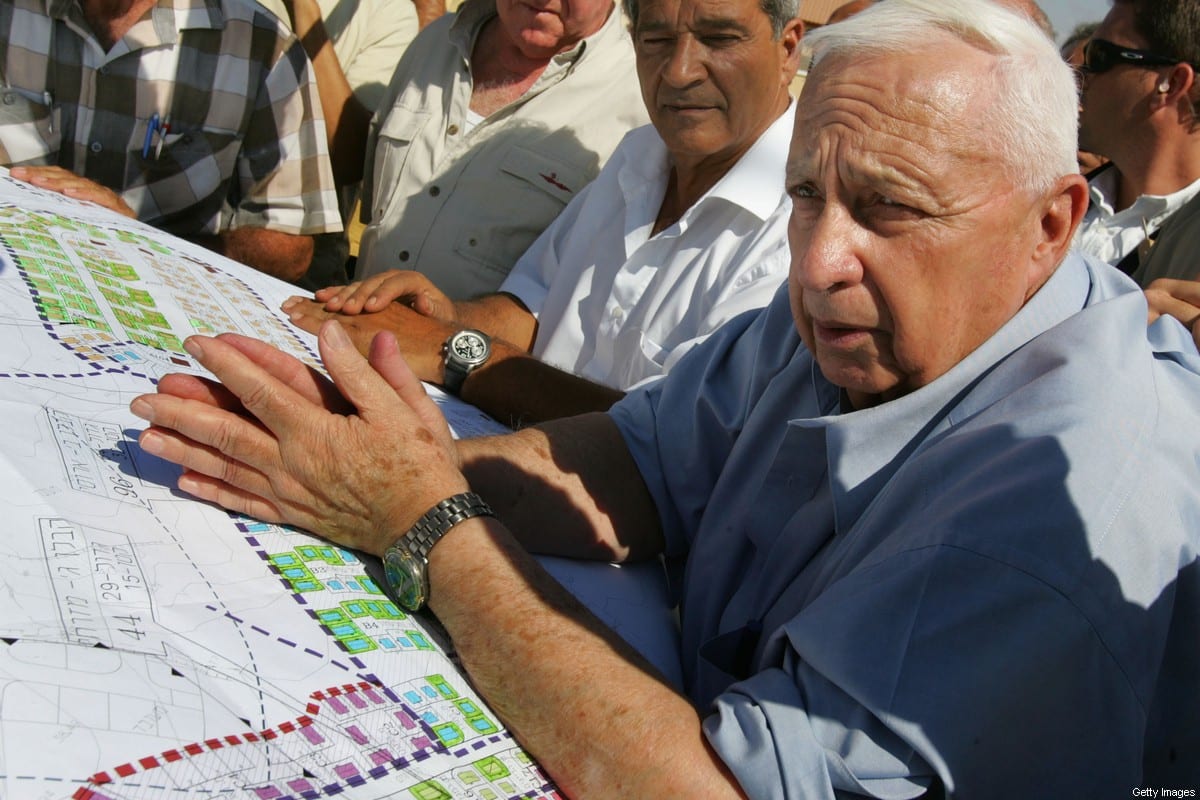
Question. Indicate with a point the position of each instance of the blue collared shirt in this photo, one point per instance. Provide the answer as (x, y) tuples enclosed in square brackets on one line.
[(992, 582)]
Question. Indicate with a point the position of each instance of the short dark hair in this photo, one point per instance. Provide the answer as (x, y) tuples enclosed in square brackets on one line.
[(1170, 27), (780, 12)]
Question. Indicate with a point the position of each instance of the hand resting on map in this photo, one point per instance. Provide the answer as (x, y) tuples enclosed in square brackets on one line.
[(281, 443), (65, 182)]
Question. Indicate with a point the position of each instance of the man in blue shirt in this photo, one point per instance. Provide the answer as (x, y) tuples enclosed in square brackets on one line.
[(937, 502)]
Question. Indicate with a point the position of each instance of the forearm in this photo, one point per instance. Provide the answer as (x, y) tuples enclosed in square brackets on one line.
[(284, 255), (428, 10), (346, 119), (518, 389), (499, 315), (573, 693), (568, 488)]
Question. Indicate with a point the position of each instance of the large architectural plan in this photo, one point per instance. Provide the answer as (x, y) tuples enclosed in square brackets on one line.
[(155, 647)]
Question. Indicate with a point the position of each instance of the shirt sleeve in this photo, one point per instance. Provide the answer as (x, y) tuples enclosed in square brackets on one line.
[(283, 170), (530, 278)]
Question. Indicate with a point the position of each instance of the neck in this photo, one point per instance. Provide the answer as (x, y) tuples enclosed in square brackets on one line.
[(112, 19), (692, 177), (1157, 168)]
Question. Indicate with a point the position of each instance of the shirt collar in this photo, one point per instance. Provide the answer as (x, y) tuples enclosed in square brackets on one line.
[(1102, 191), (865, 448), (756, 181), (167, 18)]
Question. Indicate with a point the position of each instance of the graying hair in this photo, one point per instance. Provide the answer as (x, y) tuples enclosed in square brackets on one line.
[(1033, 115), (780, 12)]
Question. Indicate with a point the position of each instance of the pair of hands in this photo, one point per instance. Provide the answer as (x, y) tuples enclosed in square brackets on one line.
[(1178, 299), (65, 182), (356, 460), (406, 304)]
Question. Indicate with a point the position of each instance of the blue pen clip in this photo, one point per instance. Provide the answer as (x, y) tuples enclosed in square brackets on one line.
[(151, 127)]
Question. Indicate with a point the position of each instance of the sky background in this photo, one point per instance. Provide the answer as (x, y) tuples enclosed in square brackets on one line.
[(1066, 14)]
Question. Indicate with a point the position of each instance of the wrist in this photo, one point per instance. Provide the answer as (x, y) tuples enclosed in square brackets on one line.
[(406, 561)]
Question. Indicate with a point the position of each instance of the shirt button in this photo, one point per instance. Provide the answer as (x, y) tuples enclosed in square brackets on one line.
[(9, 98), (404, 255), (434, 191), (95, 147), (472, 242), (453, 129)]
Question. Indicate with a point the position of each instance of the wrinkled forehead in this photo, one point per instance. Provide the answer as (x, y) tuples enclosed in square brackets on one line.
[(927, 106)]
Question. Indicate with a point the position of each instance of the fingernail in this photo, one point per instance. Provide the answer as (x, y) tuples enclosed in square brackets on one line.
[(151, 442), (335, 335), (142, 408), (193, 347), (291, 301)]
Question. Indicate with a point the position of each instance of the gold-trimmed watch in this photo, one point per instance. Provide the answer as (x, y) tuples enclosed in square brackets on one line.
[(406, 561)]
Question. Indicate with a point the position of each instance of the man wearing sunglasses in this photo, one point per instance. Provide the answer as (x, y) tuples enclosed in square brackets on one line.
[(1139, 97)]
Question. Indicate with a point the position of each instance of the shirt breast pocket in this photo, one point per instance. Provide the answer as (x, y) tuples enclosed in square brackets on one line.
[(190, 171), (392, 146), (29, 129), (535, 188)]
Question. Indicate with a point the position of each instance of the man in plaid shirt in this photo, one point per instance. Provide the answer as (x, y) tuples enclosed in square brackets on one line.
[(200, 117)]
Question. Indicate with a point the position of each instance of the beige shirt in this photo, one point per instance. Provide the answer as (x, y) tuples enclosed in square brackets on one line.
[(460, 206), (368, 36)]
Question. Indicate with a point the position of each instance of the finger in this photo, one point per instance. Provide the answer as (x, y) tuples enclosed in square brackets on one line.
[(237, 436), (307, 315), (357, 300), (1159, 302), (310, 383), (222, 494), (351, 373), (386, 359), (338, 301), (323, 294), (424, 305), (1186, 291), (273, 403), (202, 390), (171, 445)]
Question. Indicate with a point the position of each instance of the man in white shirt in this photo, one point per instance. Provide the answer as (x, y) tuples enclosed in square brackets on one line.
[(1138, 109), (684, 228)]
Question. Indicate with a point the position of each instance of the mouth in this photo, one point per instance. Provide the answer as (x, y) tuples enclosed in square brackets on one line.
[(839, 335)]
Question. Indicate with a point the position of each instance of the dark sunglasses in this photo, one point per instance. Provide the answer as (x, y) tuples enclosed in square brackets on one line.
[(1100, 55)]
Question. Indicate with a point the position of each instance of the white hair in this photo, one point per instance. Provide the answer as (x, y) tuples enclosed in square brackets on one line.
[(1035, 108)]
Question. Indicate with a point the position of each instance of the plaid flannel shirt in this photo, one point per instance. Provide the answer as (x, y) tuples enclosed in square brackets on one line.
[(204, 116)]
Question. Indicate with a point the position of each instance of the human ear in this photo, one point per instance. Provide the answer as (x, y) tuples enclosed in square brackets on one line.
[(789, 41), (1062, 210)]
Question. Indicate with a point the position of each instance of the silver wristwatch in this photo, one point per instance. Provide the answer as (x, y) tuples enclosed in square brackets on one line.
[(464, 352), (406, 562)]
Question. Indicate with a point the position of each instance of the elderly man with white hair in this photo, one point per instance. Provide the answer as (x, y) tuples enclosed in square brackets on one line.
[(936, 502)]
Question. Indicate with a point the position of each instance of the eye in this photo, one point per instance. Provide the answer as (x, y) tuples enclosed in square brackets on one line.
[(891, 208), (803, 191), (720, 39)]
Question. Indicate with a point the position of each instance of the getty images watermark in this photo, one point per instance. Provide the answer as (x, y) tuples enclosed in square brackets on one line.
[(1150, 792)]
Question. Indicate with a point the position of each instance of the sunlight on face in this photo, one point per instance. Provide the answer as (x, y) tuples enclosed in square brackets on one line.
[(909, 245)]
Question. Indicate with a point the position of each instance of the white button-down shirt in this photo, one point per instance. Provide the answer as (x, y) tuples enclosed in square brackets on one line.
[(1111, 235), (619, 306)]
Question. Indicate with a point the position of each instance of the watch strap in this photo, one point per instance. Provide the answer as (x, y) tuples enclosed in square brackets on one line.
[(437, 522)]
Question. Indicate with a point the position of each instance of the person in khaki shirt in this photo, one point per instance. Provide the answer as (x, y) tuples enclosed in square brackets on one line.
[(495, 118)]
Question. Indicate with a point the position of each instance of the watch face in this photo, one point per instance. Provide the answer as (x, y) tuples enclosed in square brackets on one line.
[(470, 347), (406, 576)]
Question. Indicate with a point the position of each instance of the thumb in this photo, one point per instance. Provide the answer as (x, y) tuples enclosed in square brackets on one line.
[(385, 357), (351, 374)]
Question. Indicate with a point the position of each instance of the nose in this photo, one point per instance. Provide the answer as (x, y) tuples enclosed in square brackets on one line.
[(824, 248), (685, 66)]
